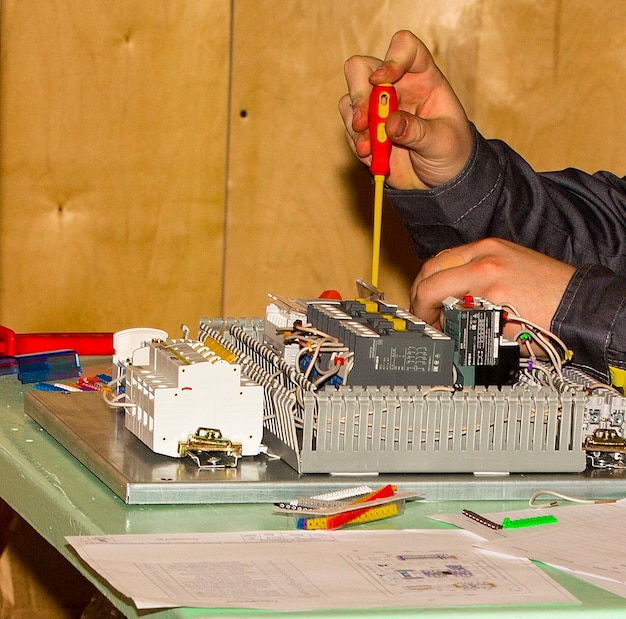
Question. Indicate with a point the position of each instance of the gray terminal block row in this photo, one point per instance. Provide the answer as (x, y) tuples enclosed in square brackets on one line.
[(533, 426), (390, 346)]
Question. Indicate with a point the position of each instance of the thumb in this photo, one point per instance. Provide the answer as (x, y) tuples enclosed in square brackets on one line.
[(405, 129), (438, 148)]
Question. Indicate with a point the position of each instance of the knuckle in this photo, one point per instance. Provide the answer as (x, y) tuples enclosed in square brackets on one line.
[(422, 291), (492, 245)]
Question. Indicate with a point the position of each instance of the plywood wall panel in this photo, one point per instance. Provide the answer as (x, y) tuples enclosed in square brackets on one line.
[(545, 76), (550, 81), (131, 193), (299, 205), (113, 155)]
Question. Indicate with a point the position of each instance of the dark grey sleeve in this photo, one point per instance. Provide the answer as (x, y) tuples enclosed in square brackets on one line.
[(572, 216), (591, 319)]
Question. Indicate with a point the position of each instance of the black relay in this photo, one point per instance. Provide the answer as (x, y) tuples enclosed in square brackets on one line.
[(390, 345), (482, 355)]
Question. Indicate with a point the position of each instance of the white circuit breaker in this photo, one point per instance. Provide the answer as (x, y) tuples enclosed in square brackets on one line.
[(173, 387)]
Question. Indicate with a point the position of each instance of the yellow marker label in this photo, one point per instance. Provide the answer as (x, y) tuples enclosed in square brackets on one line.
[(316, 523), (219, 350), (399, 324), (377, 513), (618, 377)]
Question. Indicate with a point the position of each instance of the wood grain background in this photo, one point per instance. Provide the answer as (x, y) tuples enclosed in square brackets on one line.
[(164, 160)]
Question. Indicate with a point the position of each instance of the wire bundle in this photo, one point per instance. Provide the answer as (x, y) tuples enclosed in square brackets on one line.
[(531, 336), (322, 358)]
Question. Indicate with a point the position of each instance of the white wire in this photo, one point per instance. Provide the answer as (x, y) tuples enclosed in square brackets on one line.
[(317, 342), (545, 332), (545, 345), (511, 307), (114, 402), (538, 368), (564, 497)]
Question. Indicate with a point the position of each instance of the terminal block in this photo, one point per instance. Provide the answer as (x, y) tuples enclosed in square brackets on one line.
[(390, 346), (281, 315)]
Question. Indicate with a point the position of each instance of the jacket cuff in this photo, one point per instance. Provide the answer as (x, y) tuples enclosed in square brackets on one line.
[(432, 216), (591, 319), (467, 190)]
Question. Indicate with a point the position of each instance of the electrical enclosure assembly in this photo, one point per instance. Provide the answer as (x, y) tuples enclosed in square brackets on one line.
[(174, 387), (407, 399), (371, 428)]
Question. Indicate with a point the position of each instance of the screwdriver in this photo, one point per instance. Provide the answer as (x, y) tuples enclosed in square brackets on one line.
[(383, 101)]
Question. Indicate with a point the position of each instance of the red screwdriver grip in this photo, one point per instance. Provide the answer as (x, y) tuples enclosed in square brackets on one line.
[(383, 101)]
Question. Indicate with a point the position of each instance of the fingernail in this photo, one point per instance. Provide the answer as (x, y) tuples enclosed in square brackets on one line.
[(398, 128), (380, 71)]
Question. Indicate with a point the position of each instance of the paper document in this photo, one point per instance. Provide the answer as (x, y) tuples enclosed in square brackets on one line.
[(586, 540), (309, 570)]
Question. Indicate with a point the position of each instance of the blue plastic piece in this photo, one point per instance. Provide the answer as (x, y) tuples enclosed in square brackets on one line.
[(49, 387), (38, 367)]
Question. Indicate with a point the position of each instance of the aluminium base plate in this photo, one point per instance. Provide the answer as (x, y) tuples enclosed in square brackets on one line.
[(95, 435)]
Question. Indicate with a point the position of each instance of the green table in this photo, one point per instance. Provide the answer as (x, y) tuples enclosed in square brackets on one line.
[(58, 496)]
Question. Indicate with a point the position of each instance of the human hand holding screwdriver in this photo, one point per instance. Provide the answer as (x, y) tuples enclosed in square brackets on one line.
[(433, 141), (497, 270), (430, 125)]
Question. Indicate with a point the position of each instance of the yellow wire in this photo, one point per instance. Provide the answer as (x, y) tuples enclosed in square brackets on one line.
[(379, 182)]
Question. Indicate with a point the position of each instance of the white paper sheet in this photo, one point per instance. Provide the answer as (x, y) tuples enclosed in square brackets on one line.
[(303, 570), (587, 540)]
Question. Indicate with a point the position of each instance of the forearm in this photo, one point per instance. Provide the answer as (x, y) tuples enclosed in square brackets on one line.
[(569, 215)]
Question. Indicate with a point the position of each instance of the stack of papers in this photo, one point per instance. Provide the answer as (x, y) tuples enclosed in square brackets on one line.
[(311, 570), (587, 540), (478, 564)]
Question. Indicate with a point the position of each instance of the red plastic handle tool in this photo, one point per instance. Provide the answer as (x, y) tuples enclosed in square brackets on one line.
[(383, 101)]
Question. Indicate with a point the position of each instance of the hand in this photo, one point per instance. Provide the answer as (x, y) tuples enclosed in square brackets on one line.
[(497, 270), (430, 125)]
